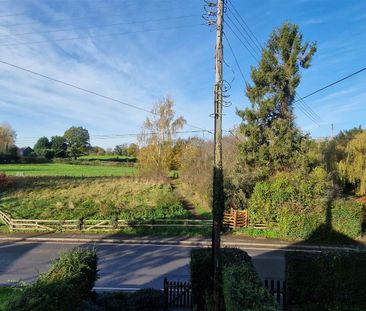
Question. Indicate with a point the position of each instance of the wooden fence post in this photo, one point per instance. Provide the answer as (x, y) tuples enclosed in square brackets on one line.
[(235, 217), (165, 294)]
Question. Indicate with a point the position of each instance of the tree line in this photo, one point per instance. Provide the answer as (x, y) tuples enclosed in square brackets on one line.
[(74, 143)]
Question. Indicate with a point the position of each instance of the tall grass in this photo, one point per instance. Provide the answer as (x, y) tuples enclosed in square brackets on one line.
[(90, 198)]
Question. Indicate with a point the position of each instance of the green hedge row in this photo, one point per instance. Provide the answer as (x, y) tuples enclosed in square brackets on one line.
[(347, 217), (239, 280), (296, 206), (142, 300), (63, 287), (326, 281)]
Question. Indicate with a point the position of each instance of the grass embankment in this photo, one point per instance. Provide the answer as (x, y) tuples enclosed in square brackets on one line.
[(62, 169), (90, 198)]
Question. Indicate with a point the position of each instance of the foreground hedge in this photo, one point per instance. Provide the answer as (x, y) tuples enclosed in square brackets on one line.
[(142, 300), (63, 287), (239, 280), (326, 281)]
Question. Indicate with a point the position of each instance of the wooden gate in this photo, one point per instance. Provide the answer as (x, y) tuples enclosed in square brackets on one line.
[(236, 219), (177, 294), (279, 291)]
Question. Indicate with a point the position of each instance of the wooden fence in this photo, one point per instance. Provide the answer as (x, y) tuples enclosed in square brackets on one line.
[(177, 294), (279, 291), (236, 219), (91, 224)]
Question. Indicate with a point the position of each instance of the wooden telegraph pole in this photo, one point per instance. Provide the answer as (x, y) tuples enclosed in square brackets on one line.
[(218, 188)]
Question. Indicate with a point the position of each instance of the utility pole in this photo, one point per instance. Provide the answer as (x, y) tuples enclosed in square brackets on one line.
[(332, 131), (218, 187)]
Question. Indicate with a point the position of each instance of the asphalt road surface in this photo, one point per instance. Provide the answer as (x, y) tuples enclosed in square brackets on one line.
[(121, 266)]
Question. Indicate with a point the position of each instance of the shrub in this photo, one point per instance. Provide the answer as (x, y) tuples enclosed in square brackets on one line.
[(326, 281), (4, 181), (293, 203), (347, 217), (144, 299), (63, 287), (148, 299), (201, 277), (243, 290)]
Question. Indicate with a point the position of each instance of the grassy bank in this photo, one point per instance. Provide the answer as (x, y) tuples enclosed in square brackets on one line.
[(90, 198), (62, 169)]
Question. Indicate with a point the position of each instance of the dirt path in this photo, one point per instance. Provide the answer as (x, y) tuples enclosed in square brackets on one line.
[(187, 205)]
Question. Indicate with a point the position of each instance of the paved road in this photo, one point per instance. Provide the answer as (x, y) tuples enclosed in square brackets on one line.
[(120, 265)]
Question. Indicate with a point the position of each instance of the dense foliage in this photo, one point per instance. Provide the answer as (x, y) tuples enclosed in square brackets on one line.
[(272, 142), (235, 285), (326, 281), (352, 169), (142, 300), (63, 287), (347, 217), (293, 203)]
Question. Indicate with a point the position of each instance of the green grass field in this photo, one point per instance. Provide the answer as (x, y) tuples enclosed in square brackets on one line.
[(107, 158), (62, 169), (90, 198)]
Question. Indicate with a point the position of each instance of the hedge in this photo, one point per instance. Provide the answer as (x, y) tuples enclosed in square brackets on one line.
[(242, 290), (233, 260), (142, 300), (326, 281), (347, 217), (291, 202), (63, 287)]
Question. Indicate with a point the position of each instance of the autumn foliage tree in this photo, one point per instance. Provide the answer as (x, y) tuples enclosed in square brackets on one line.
[(156, 139), (352, 169)]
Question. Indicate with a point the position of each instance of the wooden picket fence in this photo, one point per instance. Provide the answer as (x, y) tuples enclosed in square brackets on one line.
[(278, 288), (236, 219), (177, 294), (91, 224)]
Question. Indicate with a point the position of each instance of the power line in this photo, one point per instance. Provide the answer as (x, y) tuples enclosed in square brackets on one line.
[(259, 45), (333, 83), (100, 26), (235, 58), (246, 31), (118, 136), (85, 90), (236, 35), (304, 108), (100, 36)]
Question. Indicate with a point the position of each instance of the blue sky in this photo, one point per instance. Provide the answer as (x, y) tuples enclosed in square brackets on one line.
[(139, 51)]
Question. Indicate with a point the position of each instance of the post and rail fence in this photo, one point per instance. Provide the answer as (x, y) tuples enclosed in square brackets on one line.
[(15, 224)]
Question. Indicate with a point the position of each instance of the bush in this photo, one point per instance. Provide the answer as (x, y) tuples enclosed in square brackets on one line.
[(293, 203), (326, 281), (144, 299), (4, 181), (201, 277), (347, 217), (63, 287), (243, 290)]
